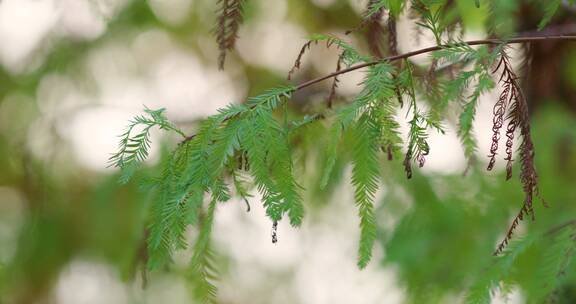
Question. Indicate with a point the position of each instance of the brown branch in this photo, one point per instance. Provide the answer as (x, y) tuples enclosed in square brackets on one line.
[(520, 39)]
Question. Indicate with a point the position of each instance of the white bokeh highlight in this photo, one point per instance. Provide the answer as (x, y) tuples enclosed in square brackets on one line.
[(90, 282)]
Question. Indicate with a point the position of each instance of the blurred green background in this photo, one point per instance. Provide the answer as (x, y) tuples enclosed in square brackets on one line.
[(75, 71)]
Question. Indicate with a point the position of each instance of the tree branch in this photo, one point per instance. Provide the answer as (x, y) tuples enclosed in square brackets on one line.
[(522, 38)]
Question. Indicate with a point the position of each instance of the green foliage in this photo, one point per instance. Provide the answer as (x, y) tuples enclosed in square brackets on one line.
[(365, 176), (267, 148), (501, 19), (370, 119), (550, 8), (349, 54), (202, 163), (202, 271), (378, 90), (341, 123), (251, 146), (481, 291), (394, 6), (457, 88), (2, 270), (456, 52), (559, 248), (450, 220), (418, 146), (484, 85), (274, 147), (134, 148), (170, 213), (199, 165), (556, 260), (430, 17)]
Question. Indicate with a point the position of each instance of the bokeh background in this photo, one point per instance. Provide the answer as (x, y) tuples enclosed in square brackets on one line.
[(73, 72)]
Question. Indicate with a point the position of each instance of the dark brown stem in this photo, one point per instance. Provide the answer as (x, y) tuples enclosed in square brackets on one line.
[(520, 39)]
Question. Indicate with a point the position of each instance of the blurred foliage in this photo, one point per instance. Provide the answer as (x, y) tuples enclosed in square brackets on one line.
[(445, 237)]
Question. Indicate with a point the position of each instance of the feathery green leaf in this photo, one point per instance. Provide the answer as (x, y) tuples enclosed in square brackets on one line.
[(134, 148), (365, 178), (202, 271), (550, 8)]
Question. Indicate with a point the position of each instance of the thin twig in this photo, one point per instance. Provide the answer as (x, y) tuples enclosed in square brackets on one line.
[(520, 39), (432, 49)]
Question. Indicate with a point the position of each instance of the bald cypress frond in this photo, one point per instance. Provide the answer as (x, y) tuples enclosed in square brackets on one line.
[(202, 271), (135, 143), (262, 144), (365, 179)]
